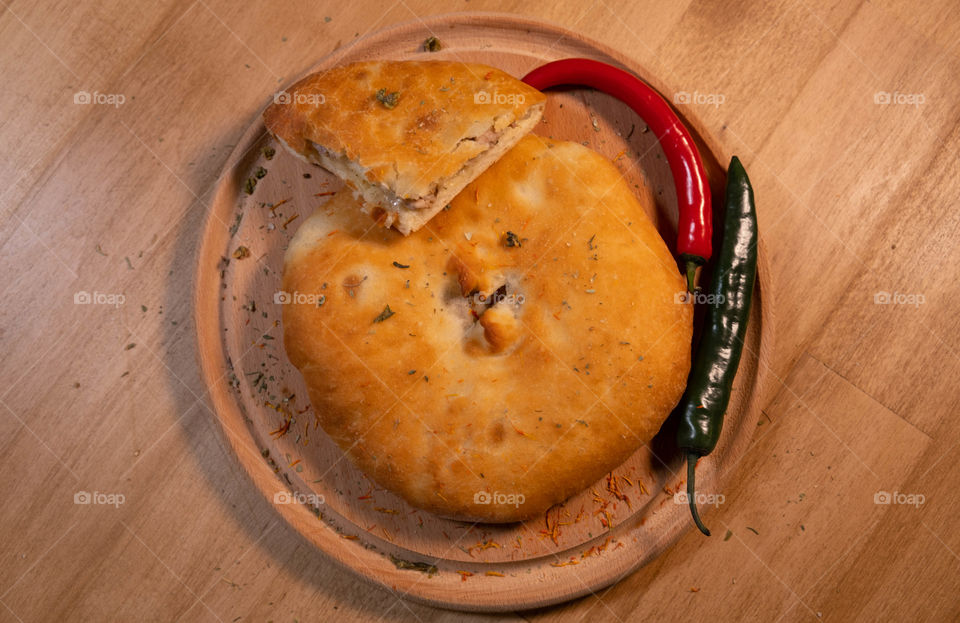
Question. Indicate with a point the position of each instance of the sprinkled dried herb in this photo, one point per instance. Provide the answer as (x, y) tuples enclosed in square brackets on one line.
[(250, 185), (510, 239), (432, 44), (389, 100), (129, 346), (386, 313), (422, 567), (260, 173), (399, 265), (241, 252), (268, 152)]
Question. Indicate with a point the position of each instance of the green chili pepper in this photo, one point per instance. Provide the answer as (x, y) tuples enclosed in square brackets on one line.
[(725, 328)]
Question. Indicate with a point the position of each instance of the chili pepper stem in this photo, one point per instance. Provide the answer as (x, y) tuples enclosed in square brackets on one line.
[(691, 276), (692, 491)]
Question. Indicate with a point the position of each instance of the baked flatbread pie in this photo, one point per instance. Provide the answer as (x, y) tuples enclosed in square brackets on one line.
[(406, 135), (507, 358)]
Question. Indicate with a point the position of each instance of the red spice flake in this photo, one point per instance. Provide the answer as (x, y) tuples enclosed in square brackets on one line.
[(482, 545), (279, 203), (386, 511), (694, 589), (327, 194), (602, 548), (289, 220), (495, 574), (349, 537), (387, 534), (333, 232), (367, 496), (284, 428), (294, 463), (619, 545), (572, 561), (553, 527), (613, 486), (519, 432), (464, 575), (444, 533), (487, 75)]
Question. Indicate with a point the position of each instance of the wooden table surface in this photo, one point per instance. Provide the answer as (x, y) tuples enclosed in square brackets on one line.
[(845, 113)]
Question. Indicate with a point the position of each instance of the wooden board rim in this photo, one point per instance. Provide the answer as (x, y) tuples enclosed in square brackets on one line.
[(373, 566)]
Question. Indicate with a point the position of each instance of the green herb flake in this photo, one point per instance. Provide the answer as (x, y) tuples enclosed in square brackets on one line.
[(129, 346), (510, 239), (753, 530), (250, 185), (389, 100), (260, 173), (143, 308), (236, 225), (422, 567), (399, 265), (727, 536), (386, 313), (268, 152), (432, 44), (327, 19)]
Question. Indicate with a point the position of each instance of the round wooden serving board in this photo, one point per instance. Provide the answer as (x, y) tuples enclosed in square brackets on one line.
[(592, 540)]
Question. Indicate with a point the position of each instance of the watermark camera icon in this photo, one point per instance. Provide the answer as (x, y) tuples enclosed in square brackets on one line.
[(282, 297), (482, 497), (882, 497), (81, 97), (481, 97), (282, 97), (82, 497), (283, 497), (81, 298)]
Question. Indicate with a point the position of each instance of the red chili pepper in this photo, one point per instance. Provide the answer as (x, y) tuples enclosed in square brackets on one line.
[(695, 225)]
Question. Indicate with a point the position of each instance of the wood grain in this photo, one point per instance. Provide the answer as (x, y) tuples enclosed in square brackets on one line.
[(856, 197)]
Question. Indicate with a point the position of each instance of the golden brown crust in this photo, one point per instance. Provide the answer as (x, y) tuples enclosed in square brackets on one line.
[(574, 366), (432, 130)]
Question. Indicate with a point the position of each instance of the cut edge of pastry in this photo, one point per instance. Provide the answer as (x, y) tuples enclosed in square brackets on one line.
[(408, 214)]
